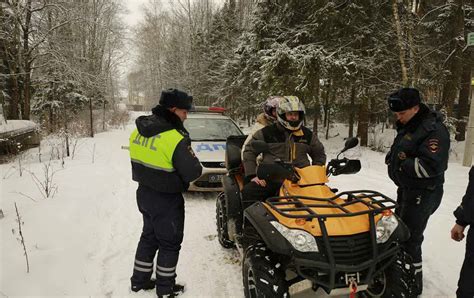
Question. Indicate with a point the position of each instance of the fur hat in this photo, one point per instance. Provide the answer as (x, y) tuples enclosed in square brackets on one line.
[(403, 99), (175, 98)]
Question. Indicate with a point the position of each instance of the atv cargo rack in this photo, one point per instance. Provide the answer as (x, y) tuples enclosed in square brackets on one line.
[(375, 202), (346, 255)]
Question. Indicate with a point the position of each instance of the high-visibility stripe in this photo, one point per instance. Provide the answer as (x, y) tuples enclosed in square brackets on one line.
[(165, 268), (423, 170), (152, 166), (143, 269), (155, 152), (165, 274), (418, 264), (144, 263), (417, 169), (418, 271)]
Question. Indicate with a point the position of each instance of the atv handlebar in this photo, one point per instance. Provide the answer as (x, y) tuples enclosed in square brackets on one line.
[(280, 170)]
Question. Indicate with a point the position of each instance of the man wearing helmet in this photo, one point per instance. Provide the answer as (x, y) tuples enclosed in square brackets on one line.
[(267, 117), (288, 141)]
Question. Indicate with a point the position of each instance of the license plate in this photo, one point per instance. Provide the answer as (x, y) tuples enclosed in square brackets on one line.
[(215, 178)]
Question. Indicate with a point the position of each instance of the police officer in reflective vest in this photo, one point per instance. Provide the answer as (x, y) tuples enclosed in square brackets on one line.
[(416, 163), (163, 164)]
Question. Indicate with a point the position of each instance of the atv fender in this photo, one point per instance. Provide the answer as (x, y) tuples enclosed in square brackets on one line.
[(259, 217), (233, 206)]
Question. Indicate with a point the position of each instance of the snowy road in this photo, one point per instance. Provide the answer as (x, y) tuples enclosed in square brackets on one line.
[(82, 241)]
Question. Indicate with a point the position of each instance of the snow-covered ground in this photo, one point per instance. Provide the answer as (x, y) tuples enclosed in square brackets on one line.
[(82, 240)]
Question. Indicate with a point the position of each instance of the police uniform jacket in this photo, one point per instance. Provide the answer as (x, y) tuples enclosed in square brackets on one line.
[(288, 146), (465, 212), (418, 157), (161, 153)]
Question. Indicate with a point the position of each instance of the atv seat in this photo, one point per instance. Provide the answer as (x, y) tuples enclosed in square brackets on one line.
[(233, 158)]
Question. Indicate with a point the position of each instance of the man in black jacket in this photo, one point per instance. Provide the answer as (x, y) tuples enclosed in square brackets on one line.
[(416, 163), (163, 164), (288, 140), (465, 216)]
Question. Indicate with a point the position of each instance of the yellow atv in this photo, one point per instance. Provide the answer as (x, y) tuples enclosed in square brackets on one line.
[(344, 243)]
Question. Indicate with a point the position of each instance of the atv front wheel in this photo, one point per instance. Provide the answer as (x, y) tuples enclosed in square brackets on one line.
[(221, 220), (262, 278), (397, 280)]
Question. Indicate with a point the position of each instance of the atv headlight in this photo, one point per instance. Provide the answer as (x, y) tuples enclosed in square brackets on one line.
[(301, 240), (385, 227)]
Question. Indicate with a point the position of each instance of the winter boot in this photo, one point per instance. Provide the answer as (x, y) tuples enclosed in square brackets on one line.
[(145, 286), (177, 290), (418, 284)]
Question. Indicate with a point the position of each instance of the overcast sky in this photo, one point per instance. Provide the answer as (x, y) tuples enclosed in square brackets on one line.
[(134, 11)]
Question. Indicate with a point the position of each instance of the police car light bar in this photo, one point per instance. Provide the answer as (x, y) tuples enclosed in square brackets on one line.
[(208, 109)]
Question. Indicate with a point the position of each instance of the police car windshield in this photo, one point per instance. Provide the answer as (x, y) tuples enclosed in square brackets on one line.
[(211, 129)]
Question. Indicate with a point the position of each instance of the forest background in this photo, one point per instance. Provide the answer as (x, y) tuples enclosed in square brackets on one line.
[(63, 59)]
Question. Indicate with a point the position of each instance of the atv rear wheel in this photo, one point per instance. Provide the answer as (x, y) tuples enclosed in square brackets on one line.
[(397, 280), (262, 278), (221, 220)]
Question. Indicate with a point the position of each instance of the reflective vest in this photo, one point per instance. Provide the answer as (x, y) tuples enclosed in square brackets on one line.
[(155, 152)]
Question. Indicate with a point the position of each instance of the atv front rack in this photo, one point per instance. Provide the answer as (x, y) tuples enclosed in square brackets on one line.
[(373, 200), (345, 254)]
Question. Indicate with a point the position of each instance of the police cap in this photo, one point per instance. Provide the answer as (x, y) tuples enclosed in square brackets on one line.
[(175, 98), (403, 99)]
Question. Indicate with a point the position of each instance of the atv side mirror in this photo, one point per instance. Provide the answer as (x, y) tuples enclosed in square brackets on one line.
[(343, 166), (350, 143), (259, 146)]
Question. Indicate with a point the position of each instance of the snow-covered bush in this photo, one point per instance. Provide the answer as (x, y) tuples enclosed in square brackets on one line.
[(119, 118)]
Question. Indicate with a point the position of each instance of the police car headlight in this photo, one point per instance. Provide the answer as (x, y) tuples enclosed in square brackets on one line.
[(299, 239), (385, 227)]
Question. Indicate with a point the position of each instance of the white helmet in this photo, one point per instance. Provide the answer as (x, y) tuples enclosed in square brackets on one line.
[(290, 104)]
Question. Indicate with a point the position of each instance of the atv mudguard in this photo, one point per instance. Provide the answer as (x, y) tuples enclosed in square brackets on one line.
[(233, 206), (258, 216)]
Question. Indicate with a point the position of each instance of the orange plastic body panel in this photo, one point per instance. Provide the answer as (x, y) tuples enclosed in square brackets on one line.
[(336, 226)]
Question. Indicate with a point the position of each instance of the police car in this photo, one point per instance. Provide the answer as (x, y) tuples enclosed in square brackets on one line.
[(209, 129)]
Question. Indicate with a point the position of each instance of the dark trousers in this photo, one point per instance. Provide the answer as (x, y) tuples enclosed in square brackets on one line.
[(466, 278), (163, 225), (415, 208), (252, 192)]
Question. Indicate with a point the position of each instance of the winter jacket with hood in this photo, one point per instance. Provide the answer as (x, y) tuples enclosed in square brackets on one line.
[(419, 155), (262, 121), (289, 146), (186, 166), (465, 212)]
